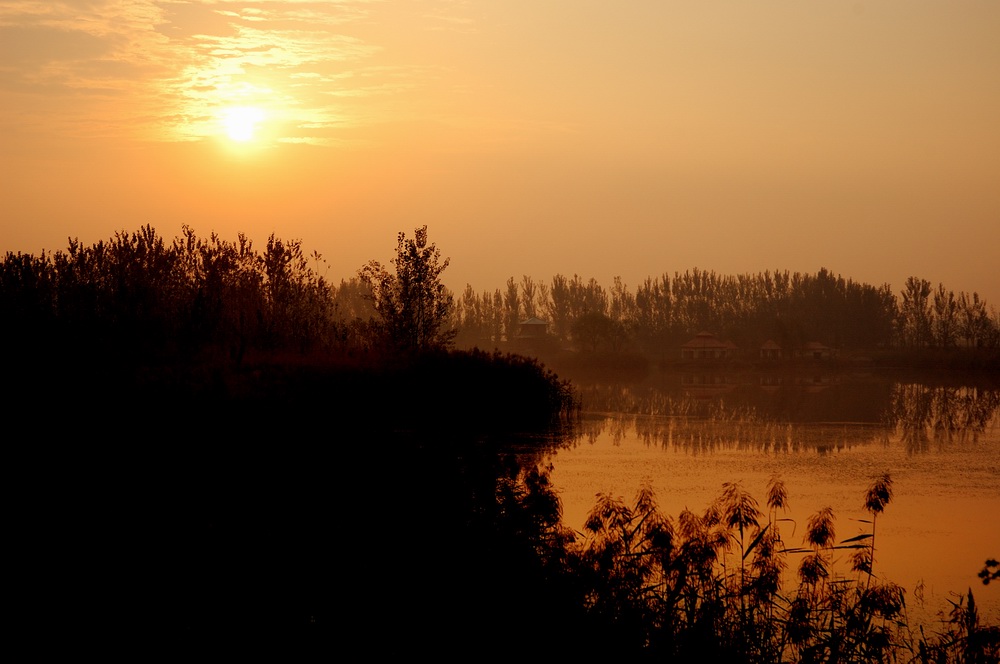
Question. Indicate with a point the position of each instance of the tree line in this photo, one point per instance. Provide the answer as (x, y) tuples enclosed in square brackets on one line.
[(197, 296), (791, 309), (138, 320), (139, 295)]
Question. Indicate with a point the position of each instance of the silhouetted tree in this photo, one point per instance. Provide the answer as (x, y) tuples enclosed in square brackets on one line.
[(530, 293), (652, 322), (512, 310), (558, 306), (915, 316), (413, 306), (974, 324), (945, 317)]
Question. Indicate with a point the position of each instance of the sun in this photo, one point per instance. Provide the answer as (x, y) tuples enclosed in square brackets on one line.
[(240, 122)]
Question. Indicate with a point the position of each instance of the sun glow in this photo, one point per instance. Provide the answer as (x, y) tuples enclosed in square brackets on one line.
[(240, 122)]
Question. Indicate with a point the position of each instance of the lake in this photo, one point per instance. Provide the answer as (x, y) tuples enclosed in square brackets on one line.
[(826, 437)]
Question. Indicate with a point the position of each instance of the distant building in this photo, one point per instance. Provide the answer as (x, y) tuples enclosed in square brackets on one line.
[(706, 346), (532, 328)]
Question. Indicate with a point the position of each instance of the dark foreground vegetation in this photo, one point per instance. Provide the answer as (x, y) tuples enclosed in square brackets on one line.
[(212, 445)]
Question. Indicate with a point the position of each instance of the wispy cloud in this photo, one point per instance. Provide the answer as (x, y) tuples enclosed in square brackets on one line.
[(166, 69)]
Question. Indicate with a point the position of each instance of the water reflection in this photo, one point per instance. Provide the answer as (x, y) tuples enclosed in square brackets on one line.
[(730, 430), (825, 436), (941, 415), (775, 413)]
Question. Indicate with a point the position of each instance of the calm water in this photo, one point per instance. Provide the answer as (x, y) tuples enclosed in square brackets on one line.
[(826, 438)]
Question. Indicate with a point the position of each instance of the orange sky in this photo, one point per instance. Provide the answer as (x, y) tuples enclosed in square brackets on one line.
[(534, 137)]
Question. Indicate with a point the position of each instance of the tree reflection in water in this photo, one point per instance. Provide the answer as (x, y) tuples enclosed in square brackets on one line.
[(925, 414), (775, 414)]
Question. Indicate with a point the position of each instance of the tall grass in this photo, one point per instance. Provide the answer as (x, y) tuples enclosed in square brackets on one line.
[(713, 586)]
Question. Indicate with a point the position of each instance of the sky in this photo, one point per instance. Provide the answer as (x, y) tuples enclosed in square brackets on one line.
[(603, 139)]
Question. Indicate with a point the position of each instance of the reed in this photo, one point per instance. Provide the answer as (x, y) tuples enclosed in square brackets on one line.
[(672, 586)]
